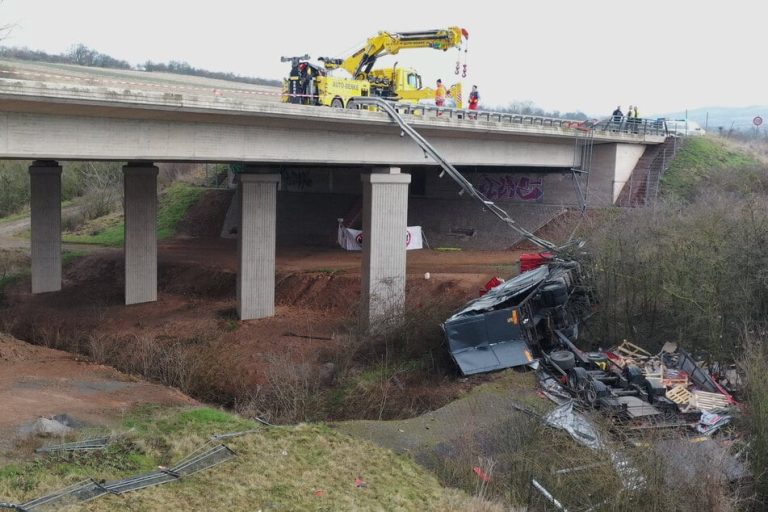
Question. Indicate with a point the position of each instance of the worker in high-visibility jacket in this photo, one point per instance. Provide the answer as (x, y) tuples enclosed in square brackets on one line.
[(474, 98), (440, 93)]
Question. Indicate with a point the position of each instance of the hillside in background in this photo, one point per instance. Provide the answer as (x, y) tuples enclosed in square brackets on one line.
[(81, 55), (737, 118)]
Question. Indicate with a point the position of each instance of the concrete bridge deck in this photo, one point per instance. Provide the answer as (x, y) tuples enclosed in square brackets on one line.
[(105, 123)]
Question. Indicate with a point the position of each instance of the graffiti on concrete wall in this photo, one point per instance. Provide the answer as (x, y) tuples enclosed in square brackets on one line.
[(508, 186), (296, 180)]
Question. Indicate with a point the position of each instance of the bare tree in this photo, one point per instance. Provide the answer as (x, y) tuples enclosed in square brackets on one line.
[(6, 28)]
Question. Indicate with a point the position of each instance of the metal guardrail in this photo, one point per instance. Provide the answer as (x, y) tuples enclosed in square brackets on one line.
[(203, 458), (98, 443), (633, 126), (636, 126)]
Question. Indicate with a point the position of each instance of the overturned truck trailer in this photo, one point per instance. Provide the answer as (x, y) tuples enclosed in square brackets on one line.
[(515, 322)]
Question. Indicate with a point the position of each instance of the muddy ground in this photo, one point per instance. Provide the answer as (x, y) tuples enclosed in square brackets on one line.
[(317, 298), (40, 382)]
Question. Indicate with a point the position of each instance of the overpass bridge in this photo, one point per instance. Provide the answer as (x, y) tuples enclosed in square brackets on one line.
[(49, 123)]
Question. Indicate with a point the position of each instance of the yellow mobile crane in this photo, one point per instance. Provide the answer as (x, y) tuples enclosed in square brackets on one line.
[(310, 84)]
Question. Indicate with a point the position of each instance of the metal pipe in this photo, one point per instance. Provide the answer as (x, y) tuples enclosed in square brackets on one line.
[(548, 495)]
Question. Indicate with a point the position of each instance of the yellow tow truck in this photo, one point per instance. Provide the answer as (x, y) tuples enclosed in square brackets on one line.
[(311, 84)]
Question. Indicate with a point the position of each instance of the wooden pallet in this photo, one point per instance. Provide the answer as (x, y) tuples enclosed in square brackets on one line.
[(680, 395), (631, 351), (709, 401)]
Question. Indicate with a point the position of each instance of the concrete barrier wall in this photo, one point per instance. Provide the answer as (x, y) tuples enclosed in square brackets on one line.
[(311, 220)]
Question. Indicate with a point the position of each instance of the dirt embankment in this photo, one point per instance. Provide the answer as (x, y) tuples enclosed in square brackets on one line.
[(40, 382), (317, 298)]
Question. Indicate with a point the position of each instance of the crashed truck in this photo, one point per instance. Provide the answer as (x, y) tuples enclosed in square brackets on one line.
[(534, 320), (520, 320), (523, 318)]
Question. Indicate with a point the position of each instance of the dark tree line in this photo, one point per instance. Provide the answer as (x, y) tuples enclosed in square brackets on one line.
[(529, 108), (84, 56), (184, 68)]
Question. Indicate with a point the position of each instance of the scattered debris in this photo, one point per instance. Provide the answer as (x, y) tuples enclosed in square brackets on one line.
[(548, 496), (45, 427), (218, 437), (533, 320), (294, 335), (98, 443), (710, 422), (580, 429), (485, 477), (493, 283), (359, 482)]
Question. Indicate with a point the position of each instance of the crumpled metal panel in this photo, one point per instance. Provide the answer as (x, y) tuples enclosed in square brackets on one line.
[(518, 286), (482, 343)]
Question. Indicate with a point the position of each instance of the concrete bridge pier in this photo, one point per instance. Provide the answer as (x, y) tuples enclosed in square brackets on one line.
[(385, 218), (256, 243), (140, 187), (45, 205)]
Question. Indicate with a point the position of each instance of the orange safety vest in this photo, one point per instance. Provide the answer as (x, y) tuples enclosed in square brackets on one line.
[(440, 92)]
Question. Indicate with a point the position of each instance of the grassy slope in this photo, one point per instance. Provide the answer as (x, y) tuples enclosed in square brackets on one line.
[(174, 203), (304, 467), (699, 159)]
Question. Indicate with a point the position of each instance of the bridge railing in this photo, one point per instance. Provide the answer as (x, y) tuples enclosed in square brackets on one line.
[(633, 126)]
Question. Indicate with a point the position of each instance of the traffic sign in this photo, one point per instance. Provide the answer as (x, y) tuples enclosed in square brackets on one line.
[(757, 121)]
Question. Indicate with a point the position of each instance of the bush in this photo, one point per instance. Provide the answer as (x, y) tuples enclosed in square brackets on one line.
[(695, 272), (753, 364), (14, 187)]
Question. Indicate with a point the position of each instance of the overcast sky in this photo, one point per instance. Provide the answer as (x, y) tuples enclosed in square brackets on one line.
[(567, 55)]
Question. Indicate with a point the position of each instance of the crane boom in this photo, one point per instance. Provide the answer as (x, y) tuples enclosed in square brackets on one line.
[(360, 63)]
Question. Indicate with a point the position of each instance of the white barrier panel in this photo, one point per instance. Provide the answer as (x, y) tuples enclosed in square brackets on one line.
[(352, 239)]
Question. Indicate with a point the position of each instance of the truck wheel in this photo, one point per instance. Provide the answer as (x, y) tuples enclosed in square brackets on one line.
[(563, 358), (351, 104), (578, 379), (337, 103), (595, 390)]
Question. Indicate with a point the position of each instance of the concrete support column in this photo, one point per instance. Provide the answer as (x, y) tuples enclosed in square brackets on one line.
[(385, 218), (140, 186), (256, 244), (45, 185)]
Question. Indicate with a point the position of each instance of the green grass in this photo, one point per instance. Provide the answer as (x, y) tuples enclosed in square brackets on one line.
[(14, 216), (68, 257), (700, 158), (174, 203), (303, 467), (9, 280)]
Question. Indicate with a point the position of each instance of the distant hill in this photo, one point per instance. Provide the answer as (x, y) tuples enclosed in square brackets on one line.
[(738, 118), (81, 55)]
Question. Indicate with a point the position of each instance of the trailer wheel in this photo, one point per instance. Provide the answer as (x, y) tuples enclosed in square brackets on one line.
[(578, 379), (563, 358), (337, 103)]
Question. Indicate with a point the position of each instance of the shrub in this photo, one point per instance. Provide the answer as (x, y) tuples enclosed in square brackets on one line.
[(753, 364), (696, 272)]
